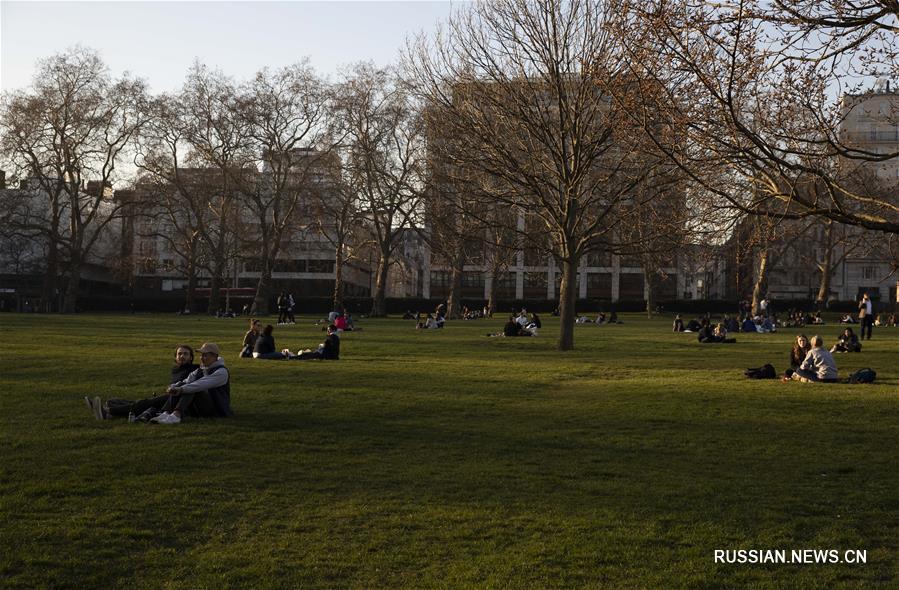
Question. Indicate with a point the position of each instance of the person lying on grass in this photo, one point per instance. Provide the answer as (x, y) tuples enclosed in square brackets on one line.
[(847, 342), (818, 365), (328, 350), (184, 366), (693, 326), (205, 393)]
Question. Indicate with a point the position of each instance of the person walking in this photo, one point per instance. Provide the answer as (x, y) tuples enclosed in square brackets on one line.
[(291, 303), (282, 308)]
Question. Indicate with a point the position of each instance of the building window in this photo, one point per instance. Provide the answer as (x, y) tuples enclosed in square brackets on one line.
[(321, 266), (440, 278), (535, 279), (868, 272), (472, 279)]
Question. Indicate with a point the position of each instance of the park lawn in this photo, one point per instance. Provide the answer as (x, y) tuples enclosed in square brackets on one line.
[(442, 459)]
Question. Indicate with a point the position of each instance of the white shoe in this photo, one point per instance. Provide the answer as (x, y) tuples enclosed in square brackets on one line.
[(159, 418), (98, 408), (170, 419), (90, 406)]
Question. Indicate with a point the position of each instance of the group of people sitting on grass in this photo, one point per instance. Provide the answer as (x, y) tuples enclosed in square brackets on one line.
[(731, 324), (342, 320), (259, 343), (885, 322), (799, 319), (520, 325), (713, 335), (432, 321), (474, 314), (600, 319), (202, 390)]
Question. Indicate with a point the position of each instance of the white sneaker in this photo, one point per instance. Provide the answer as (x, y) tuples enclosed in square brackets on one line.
[(159, 418), (170, 419), (98, 408)]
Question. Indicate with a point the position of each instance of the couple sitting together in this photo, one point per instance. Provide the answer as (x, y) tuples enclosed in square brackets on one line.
[(810, 362), (262, 345), (202, 390)]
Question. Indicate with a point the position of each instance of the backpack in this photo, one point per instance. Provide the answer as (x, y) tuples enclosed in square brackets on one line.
[(765, 372), (863, 376)]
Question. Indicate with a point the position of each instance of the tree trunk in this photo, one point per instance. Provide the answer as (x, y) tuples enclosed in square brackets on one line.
[(215, 288), (338, 277), (649, 279), (825, 267), (191, 286), (567, 299), (454, 300), (491, 295), (263, 290), (70, 302), (760, 279), (48, 291), (378, 305)]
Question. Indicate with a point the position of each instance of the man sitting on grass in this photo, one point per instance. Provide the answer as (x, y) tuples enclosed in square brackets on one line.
[(327, 350), (145, 409), (818, 366), (205, 393)]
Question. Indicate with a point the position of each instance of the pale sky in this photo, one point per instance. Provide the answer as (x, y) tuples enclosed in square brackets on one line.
[(158, 41)]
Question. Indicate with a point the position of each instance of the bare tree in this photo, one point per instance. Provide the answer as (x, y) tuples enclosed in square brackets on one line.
[(335, 215), (766, 93), (383, 153), (219, 147), (285, 113), (526, 89), (70, 127), (453, 234)]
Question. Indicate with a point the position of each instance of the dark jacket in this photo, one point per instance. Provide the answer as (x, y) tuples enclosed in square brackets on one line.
[(797, 355), (180, 373), (264, 344), (250, 338), (848, 343), (331, 350), (511, 328), (220, 393)]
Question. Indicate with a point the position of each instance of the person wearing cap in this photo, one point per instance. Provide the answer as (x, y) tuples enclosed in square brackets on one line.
[(206, 392), (145, 409)]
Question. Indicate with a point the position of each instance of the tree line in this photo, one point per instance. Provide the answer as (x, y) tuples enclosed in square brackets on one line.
[(566, 127)]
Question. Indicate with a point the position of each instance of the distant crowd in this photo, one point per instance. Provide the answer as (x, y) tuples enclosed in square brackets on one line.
[(204, 389)]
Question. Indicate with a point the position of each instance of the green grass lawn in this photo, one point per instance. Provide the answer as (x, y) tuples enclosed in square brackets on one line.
[(442, 459)]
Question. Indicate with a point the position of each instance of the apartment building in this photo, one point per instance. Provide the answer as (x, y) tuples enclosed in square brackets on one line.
[(859, 260)]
